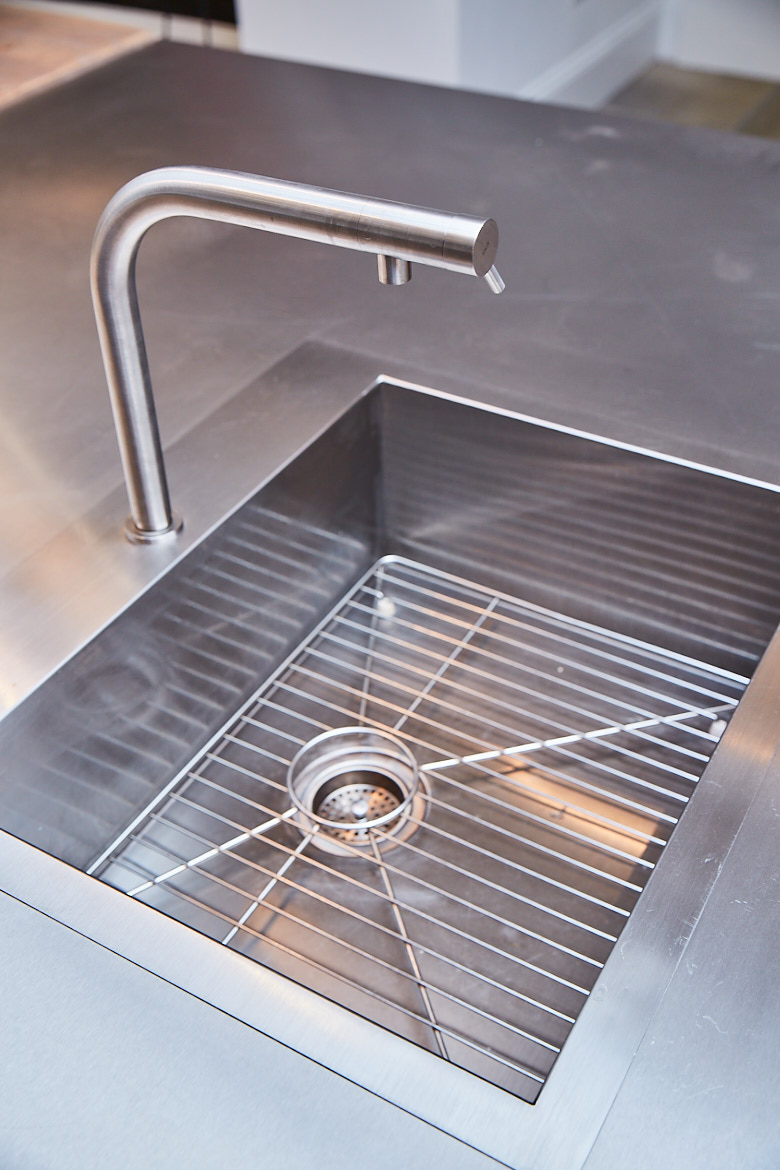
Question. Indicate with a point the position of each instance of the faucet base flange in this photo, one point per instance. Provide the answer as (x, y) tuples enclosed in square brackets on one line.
[(138, 535)]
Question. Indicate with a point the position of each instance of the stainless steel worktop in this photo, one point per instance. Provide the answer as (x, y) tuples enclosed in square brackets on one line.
[(642, 271)]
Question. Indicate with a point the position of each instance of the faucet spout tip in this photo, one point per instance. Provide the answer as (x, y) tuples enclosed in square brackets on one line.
[(494, 281)]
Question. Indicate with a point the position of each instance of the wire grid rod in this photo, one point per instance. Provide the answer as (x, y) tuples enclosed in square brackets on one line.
[(374, 676), (280, 910), (96, 866), (425, 997), (526, 841), (431, 888), (431, 919), (513, 1065), (515, 644), (650, 721), (445, 664), (195, 862), (561, 830), (554, 678), (568, 779), (597, 639), (571, 737), (523, 814), (317, 676), (396, 708), (587, 629), (373, 618), (675, 720), (509, 685), (268, 887), (510, 863), (461, 870), (461, 688), (651, 718), (641, 670), (252, 747), (479, 976)]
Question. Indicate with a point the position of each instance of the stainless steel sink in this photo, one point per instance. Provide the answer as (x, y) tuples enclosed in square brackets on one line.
[(557, 629)]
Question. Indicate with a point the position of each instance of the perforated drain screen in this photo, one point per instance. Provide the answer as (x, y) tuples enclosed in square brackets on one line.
[(554, 761)]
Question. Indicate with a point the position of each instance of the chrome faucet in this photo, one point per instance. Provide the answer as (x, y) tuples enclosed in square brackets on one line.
[(396, 233)]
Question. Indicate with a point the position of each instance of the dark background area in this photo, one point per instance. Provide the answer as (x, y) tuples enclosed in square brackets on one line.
[(202, 9)]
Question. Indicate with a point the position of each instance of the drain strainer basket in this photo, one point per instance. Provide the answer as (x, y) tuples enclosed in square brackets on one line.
[(349, 782)]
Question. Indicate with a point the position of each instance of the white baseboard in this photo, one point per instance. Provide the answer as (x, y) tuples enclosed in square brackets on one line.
[(592, 74)]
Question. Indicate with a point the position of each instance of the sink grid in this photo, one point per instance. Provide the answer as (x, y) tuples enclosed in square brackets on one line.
[(555, 760)]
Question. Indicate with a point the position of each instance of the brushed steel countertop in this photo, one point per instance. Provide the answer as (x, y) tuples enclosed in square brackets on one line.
[(641, 262), (643, 281)]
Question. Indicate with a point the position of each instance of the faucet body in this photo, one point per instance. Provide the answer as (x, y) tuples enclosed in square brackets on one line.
[(398, 234)]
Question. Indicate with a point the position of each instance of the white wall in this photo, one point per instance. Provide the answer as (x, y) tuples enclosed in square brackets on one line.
[(416, 40), (731, 36), (579, 51)]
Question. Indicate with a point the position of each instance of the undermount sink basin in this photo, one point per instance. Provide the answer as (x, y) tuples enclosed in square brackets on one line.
[(550, 635)]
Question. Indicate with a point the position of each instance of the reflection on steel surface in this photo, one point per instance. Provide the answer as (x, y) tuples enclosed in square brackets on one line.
[(556, 760)]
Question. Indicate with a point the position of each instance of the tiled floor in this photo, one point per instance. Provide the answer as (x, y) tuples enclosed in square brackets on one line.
[(669, 94), (39, 48)]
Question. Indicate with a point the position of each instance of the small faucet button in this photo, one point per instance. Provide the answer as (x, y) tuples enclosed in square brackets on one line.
[(393, 271)]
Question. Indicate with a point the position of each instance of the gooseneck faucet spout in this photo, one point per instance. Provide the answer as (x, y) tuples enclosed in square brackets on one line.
[(398, 234)]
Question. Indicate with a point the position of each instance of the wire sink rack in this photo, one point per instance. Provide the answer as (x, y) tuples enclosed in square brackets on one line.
[(555, 760)]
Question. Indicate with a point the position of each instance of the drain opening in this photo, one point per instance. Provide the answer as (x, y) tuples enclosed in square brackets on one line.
[(347, 783), (353, 799)]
